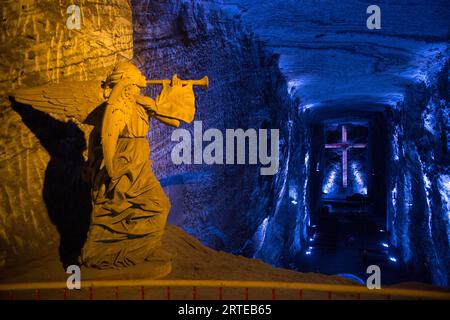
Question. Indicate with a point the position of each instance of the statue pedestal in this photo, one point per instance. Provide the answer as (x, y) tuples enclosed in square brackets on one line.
[(147, 270)]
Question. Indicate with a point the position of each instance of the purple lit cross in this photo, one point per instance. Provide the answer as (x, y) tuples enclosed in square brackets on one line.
[(344, 145)]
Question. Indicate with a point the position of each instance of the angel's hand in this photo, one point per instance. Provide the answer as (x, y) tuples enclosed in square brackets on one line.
[(176, 101), (147, 102), (176, 82), (168, 121)]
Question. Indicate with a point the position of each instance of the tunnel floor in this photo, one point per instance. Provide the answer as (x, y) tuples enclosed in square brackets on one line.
[(346, 241)]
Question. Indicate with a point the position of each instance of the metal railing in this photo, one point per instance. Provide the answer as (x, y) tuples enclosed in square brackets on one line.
[(329, 289)]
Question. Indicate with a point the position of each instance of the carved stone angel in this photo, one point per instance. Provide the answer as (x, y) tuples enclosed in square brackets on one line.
[(129, 205)]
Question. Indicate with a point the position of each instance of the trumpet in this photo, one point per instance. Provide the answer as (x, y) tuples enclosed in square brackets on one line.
[(203, 82)]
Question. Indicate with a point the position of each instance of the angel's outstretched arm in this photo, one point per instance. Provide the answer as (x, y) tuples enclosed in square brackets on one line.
[(150, 105), (168, 121), (175, 102)]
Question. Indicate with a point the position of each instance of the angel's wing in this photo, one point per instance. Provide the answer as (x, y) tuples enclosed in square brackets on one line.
[(64, 101)]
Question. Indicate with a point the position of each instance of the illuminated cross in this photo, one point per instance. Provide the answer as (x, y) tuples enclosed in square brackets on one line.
[(344, 145)]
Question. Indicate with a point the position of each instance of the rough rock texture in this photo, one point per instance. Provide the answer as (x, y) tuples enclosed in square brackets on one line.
[(42, 195), (338, 68), (329, 54), (420, 181), (192, 261), (335, 66), (40, 158), (222, 205)]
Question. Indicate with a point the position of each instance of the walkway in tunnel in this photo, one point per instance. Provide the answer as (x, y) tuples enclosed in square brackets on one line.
[(346, 240)]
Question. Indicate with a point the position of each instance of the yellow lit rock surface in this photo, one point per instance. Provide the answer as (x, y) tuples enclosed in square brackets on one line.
[(192, 260), (36, 48)]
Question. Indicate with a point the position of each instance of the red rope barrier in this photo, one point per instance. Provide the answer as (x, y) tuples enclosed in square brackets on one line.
[(91, 293), (116, 293), (357, 293)]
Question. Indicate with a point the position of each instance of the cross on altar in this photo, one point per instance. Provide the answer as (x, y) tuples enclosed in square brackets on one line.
[(344, 145)]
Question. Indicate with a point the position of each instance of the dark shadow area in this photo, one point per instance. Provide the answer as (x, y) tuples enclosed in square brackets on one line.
[(66, 195)]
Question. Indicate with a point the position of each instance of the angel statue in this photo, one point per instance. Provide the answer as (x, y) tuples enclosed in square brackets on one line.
[(129, 206)]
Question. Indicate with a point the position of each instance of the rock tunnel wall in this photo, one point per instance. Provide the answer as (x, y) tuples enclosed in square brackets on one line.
[(222, 205), (419, 203), (37, 48)]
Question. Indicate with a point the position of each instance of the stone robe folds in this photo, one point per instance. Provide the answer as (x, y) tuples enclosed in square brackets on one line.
[(130, 209)]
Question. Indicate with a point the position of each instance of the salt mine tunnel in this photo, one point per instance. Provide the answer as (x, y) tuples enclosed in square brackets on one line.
[(363, 119)]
